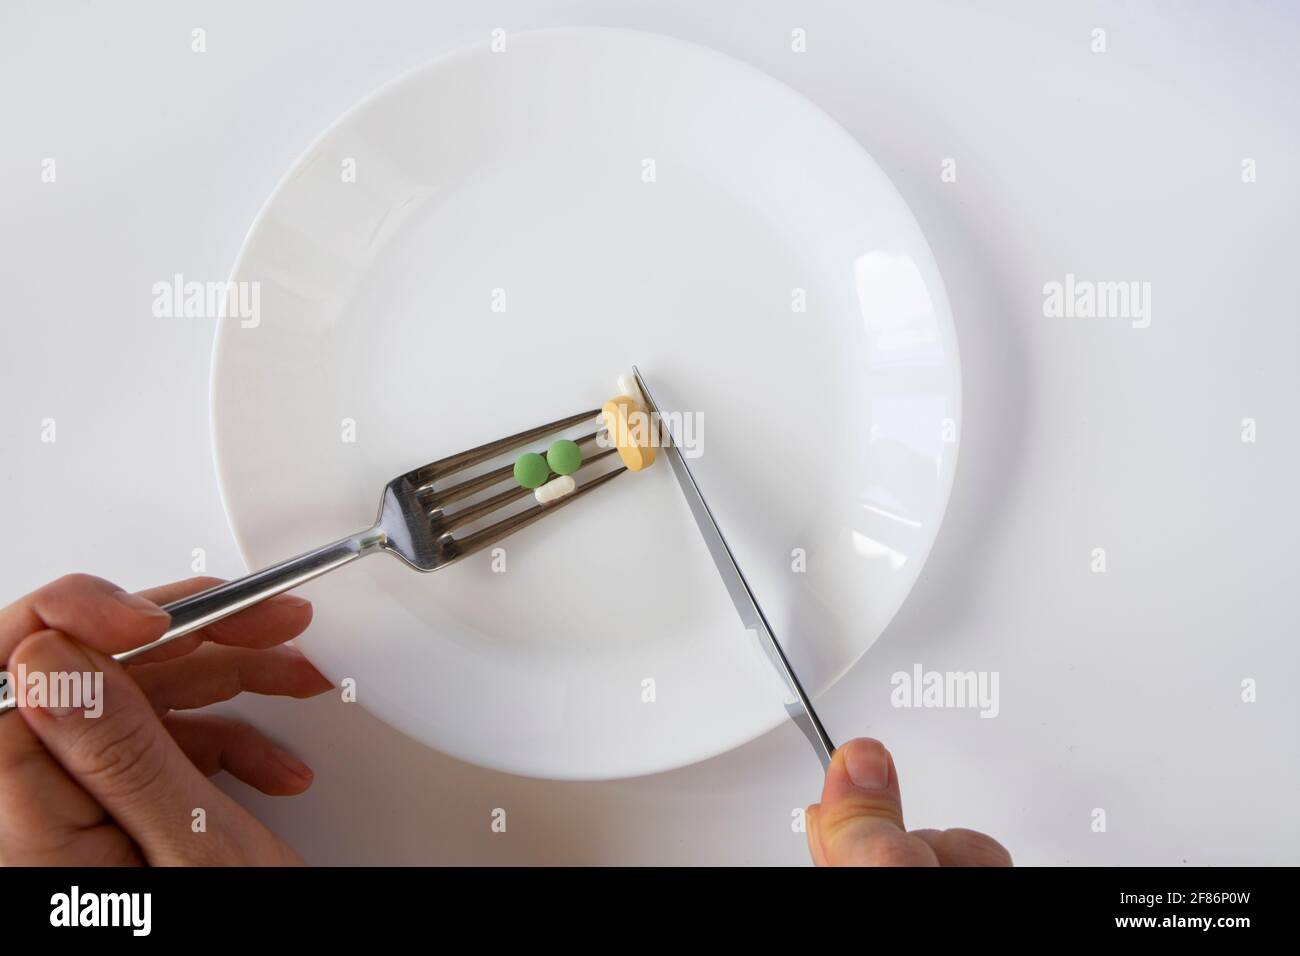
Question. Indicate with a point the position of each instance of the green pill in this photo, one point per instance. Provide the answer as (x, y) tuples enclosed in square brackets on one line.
[(564, 456), (531, 470)]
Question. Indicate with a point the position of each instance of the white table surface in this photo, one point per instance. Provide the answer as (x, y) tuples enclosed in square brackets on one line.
[(1119, 691)]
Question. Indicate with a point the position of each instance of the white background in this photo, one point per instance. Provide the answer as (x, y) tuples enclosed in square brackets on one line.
[(1119, 691)]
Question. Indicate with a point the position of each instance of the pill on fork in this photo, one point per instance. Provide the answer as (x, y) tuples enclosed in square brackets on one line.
[(555, 489), (629, 428), (564, 456), (531, 470), (627, 386)]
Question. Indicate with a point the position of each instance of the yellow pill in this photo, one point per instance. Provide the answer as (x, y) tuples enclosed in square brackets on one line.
[(631, 431)]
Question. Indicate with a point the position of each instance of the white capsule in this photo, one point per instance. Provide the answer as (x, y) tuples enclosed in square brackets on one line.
[(627, 386), (555, 489)]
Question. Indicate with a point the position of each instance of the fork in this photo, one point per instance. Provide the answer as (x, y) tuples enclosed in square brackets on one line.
[(412, 524)]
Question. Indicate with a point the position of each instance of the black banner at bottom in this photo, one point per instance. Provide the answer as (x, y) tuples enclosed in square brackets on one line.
[(330, 905)]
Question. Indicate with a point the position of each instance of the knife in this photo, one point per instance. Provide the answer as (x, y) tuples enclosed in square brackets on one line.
[(800, 708)]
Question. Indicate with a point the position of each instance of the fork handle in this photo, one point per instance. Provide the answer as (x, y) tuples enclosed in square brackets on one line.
[(222, 600), (206, 607)]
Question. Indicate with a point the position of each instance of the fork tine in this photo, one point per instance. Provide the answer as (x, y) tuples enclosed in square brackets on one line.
[(494, 533), (457, 462), (488, 505), (436, 499)]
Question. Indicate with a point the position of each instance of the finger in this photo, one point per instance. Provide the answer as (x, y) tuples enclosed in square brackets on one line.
[(95, 612), (860, 818), (45, 817), (267, 624), (118, 751), (958, 847), (214, 743), (814, 836), (166, 593), (214, 673)]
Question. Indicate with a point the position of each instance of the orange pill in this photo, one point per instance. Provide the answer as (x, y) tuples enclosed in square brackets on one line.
[(631, 431)]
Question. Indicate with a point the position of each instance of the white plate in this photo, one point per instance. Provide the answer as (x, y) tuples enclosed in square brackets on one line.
[(829, 433)]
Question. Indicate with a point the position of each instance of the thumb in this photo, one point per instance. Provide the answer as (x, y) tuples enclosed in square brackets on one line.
[(109, 740), (859, 821)]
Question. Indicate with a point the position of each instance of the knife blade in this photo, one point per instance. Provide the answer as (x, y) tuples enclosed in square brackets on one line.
[(799, 706)]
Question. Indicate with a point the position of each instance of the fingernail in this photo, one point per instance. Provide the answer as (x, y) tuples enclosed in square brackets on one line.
[(139, 604), (868, 766), (293, 764), (293, 600), (56, 658)]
